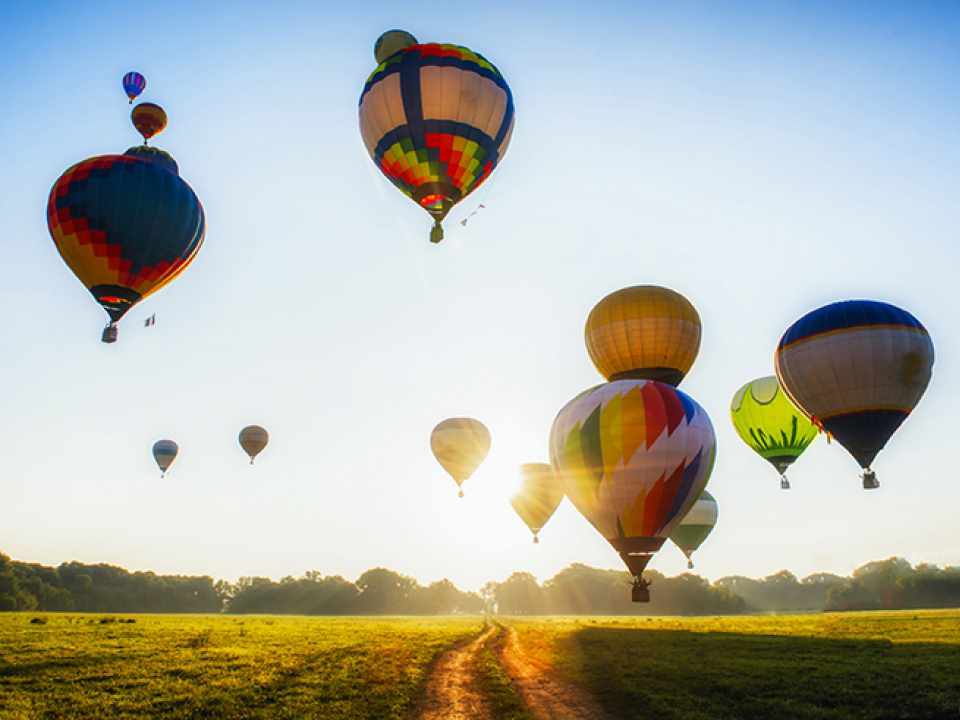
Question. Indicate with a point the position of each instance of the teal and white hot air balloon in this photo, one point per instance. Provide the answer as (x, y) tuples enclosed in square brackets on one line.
[(696, 526)]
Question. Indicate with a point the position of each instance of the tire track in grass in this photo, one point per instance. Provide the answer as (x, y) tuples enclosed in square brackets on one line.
[(546, 697), (452, 691)]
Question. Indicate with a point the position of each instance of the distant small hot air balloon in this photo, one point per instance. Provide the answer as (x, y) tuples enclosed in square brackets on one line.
[(436, 119), (857, 369), (133, 85), (634, 455), (253, 439), (126, 225), (643, 332), (767, 420), (149, 119), (165, 452), (538, 497), (696, 526), (460, 445)]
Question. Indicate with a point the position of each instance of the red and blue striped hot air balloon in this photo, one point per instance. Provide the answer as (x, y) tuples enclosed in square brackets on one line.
[(857, 369), (133, 84), (436, 119), (126, 225)]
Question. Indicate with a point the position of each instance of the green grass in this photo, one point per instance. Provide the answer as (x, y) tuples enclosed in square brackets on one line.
[(829, 666), (165, 666)]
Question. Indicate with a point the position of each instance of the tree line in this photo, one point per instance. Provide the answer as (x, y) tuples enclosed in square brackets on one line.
[(578, 589)]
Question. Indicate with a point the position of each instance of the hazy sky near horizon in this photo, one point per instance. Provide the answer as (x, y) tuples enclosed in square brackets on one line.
[(761, 158)]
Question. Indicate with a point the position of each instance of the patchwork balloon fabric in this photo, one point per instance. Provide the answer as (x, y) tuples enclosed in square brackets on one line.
[(857, 367), (125, 227), (436, 119), (768, 421), (633, 456)]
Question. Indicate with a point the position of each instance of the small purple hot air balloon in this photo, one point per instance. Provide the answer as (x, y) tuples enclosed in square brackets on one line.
[(133, 85)]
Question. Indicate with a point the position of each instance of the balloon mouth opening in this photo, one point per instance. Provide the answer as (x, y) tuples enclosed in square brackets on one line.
[(669, 376)]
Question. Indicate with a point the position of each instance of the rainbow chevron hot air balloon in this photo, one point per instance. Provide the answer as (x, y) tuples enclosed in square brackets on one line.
[(436, 119), (634, 455)]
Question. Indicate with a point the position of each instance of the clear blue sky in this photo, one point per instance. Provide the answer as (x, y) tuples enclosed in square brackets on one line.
[(763, 159)]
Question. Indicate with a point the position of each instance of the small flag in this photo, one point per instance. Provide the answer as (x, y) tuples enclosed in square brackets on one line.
[(152, 320)]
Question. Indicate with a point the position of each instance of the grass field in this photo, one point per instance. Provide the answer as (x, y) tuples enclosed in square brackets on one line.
[(78, 666), (851, 665), (857, 665)]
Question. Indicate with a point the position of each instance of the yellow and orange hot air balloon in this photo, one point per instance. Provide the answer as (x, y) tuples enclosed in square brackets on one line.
[(460, 445), (149, 119), (538, 497), (643, 332)]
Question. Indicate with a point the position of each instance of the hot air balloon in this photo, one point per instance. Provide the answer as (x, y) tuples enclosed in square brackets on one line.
[(538, 497), (253, 439), (165, 452), (460, 445), (633, 455), (696, 526), (126, 225), (767, 421), (133, 85), (857, 369), (643, 332), (149, 120), (436, 119)]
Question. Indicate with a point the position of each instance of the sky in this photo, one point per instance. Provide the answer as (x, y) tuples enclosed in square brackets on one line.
[(762, 159)]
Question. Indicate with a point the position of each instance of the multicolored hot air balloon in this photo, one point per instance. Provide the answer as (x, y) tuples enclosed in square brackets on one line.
[(149, 119), (436, 119), (538, 497), (133, 84), (165, 452), (633, 455), (253, 439), (767, 421), (696, 526), (643, 332), (857, 369), (126, 225), (460, 445)]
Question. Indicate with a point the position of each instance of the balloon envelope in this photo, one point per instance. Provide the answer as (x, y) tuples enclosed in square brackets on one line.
[(696, 525), (133, 84), (767, 420), (165, 452), (436, 119), (125, 227), (460, 445), (633, 456), (538, 497), (253, 439), (392, 42), (643, 332), (149, 119), (858, 368)]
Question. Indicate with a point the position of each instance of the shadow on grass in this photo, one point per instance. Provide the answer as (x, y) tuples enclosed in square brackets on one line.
[(637, 673)]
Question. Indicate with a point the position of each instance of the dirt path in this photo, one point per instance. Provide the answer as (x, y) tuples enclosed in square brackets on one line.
[(451, 692), (546, 697)]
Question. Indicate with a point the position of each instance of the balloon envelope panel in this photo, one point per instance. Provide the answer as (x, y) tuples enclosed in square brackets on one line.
[(858, 367), (767, 420), (633, 455), (124, 226), (643, 332), (436, 119)]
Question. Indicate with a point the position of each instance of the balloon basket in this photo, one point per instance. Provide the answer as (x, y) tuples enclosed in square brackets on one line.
[(689, 564), (870, 481), (110, 333), (460, 494), (536, 540), (640, 592), (784, 483)]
